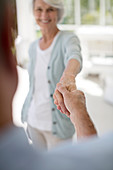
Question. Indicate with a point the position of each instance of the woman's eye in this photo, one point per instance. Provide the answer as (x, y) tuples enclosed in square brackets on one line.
[(50, 9), (39, 9)]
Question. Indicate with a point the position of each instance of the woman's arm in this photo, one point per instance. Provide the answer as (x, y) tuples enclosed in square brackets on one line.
[(68, 80)]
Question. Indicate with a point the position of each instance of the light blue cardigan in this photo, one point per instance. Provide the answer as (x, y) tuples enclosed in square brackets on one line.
[(67, 46)]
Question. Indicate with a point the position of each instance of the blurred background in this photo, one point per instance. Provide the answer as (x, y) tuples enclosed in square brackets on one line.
[(92, 22)]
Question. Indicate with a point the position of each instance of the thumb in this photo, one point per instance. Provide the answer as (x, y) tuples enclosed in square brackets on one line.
[(62, 89)]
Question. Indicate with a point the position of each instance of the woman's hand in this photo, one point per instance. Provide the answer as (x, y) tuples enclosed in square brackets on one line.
[(68, 81)]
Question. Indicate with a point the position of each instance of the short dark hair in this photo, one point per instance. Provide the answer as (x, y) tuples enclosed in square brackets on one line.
[(2, 23), (6, 25)]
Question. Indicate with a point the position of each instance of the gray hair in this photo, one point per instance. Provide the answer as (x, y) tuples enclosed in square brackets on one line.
[(58, 4)]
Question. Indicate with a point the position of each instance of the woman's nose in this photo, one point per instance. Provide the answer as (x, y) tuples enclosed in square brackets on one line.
[(44, 14)]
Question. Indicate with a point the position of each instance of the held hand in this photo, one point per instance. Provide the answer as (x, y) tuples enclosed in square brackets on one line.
[(74, 101), (76, 105), (59, 101), (68, 81)]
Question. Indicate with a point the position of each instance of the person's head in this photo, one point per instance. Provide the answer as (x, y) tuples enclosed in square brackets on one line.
[(48, 12), (8, 72)]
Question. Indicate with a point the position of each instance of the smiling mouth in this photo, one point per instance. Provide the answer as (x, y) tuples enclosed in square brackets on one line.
[(45, 21)]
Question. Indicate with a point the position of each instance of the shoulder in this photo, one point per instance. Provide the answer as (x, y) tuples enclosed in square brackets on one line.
[(67, 34), (15, 151), (68, 37)]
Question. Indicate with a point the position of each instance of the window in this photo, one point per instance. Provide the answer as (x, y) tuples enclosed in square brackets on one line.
[(69, 12), (88, 19), (109, 12), (88, 12)]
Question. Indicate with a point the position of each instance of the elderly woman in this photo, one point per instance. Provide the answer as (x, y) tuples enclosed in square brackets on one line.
[(55, 57)]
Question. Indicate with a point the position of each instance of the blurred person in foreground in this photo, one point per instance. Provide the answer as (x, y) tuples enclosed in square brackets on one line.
[(92, 153), (55, 57)]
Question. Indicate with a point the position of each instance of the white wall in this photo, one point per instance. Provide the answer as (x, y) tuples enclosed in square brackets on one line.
[(26, 29)]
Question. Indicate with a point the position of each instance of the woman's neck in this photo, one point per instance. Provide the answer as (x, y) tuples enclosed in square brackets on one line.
[(48, 35), (47, 38)]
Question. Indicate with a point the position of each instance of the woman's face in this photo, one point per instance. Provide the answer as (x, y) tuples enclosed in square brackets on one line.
[(45, 15)]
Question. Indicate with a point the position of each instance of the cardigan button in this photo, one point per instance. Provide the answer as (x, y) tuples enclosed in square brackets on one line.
[(53, 109), (51, 95), (48, 67), (54, 123), (49, 81)]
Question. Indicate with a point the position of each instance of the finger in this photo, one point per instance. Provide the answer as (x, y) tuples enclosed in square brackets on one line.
[(55, 102), (59, 97), (59, 108), (54, 96), (66, 113), (71, 88), (55, 99), (61, 102)]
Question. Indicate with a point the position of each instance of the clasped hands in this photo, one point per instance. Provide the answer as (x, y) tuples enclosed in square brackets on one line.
[(72, 102), (65, 94)]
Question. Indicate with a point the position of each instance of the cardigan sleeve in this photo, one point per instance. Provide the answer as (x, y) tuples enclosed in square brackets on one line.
[(72, 49)]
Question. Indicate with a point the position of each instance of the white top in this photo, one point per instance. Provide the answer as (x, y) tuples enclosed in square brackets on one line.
[(39, 114)]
